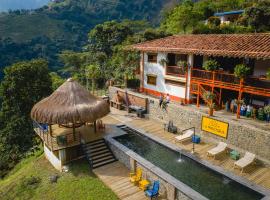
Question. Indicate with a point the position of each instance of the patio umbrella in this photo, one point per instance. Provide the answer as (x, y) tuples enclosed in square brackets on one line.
[(70, 104)]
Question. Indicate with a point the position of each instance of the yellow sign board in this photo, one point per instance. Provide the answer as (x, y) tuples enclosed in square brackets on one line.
[(215, 127)]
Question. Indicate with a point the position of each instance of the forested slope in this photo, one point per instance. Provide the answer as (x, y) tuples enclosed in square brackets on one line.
[(47, 31)]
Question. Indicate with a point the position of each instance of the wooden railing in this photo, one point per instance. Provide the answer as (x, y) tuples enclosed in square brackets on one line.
[(229, 81), (56, 142), (175, 71)]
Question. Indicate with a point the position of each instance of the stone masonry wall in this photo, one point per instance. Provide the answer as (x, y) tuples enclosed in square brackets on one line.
[(241, 136)]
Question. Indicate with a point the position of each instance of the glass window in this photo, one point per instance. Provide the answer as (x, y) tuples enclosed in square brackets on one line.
[(151, 79), (152, 57)]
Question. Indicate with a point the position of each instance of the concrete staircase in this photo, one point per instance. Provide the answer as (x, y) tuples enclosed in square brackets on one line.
[(98, 153)]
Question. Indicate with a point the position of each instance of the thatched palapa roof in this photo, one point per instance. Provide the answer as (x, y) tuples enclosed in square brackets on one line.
[(70, 103)]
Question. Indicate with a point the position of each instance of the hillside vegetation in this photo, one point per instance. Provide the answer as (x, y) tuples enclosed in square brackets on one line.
[(47, 31), (30, 179)]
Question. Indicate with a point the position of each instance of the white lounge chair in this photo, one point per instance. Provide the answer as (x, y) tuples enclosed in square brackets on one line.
[(248, 159), (186, 136), (220, 148)]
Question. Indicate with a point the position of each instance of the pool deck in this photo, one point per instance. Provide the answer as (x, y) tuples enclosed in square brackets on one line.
[(258, 174), (115, 176)]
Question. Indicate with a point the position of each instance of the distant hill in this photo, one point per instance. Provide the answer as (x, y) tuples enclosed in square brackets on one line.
[(64, 24), (6, 5)]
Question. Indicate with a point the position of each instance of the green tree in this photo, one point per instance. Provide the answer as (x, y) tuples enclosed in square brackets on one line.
[(258, 16), (182, 17), (24, 84), (92, 72), (125, 62), (105, 36), (73, 63), (56, 80)]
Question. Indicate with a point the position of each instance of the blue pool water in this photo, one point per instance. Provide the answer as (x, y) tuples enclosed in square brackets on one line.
[(207, 182)]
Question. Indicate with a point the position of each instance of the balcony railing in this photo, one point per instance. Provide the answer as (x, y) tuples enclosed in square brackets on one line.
[(56, 142), (175, 71), (222, 79)]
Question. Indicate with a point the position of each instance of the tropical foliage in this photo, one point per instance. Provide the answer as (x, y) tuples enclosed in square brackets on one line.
[(210, 65), (24, 84), (241, 71)]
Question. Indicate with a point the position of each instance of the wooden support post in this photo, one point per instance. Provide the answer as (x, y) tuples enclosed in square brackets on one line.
[(142, 72), (50, 132), (213, 81), (95, 126), (73, 131), (186, 88), (240, 97), (220, 95), (198, 95)]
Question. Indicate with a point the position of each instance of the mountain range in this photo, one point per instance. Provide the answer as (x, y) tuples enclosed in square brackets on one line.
[(64, 24), (6, 5)]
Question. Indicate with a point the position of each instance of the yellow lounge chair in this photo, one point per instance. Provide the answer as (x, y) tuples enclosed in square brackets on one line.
[(135, 177)]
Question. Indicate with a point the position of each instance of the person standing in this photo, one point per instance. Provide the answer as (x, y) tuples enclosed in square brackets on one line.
[(161, 100), (168, 99)]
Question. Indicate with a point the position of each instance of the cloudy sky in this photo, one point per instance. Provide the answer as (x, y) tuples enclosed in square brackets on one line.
[(21, 4)]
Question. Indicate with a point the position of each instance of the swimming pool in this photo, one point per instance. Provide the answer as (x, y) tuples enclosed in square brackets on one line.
[(206, 181)]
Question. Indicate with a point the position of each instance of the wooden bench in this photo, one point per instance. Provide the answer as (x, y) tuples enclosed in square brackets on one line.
[(115, 104), (131, 102)]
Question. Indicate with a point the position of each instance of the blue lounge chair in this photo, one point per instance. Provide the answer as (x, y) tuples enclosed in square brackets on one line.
[(153, 193)]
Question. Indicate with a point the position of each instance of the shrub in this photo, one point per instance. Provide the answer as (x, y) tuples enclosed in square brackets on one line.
[(241, 71), (261, 114), (133, 83), (268, 74), (31, 182), (215, 21), (267, 110), (210, 65)]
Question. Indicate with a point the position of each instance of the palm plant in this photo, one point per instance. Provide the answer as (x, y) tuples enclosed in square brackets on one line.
[(92, 72), (209, 97)]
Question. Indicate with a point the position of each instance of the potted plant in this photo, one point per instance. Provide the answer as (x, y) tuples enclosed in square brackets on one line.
[(183, 66), (261, 114), (163, 62), (208, 98), (267, 112), (254, 113), (241, 71), (210, 65)]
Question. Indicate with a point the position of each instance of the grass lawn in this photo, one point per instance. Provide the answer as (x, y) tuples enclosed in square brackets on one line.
[(30, 179)]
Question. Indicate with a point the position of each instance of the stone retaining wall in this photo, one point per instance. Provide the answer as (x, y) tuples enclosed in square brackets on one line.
[(241, 137)]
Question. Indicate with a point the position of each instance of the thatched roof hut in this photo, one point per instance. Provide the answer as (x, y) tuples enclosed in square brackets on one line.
[(71, 103)]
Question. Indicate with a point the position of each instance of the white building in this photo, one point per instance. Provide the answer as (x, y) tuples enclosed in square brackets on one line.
[(229, 50)]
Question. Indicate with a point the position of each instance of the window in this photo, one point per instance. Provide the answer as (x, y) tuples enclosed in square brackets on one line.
[(151, 79), (174, 58), (176, 83), (152, 57)]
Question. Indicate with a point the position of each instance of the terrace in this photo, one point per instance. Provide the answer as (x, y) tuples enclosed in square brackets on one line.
[(219, 79), (258, 174)]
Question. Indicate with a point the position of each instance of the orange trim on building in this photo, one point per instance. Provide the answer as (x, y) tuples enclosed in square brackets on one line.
[(157, 94)]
